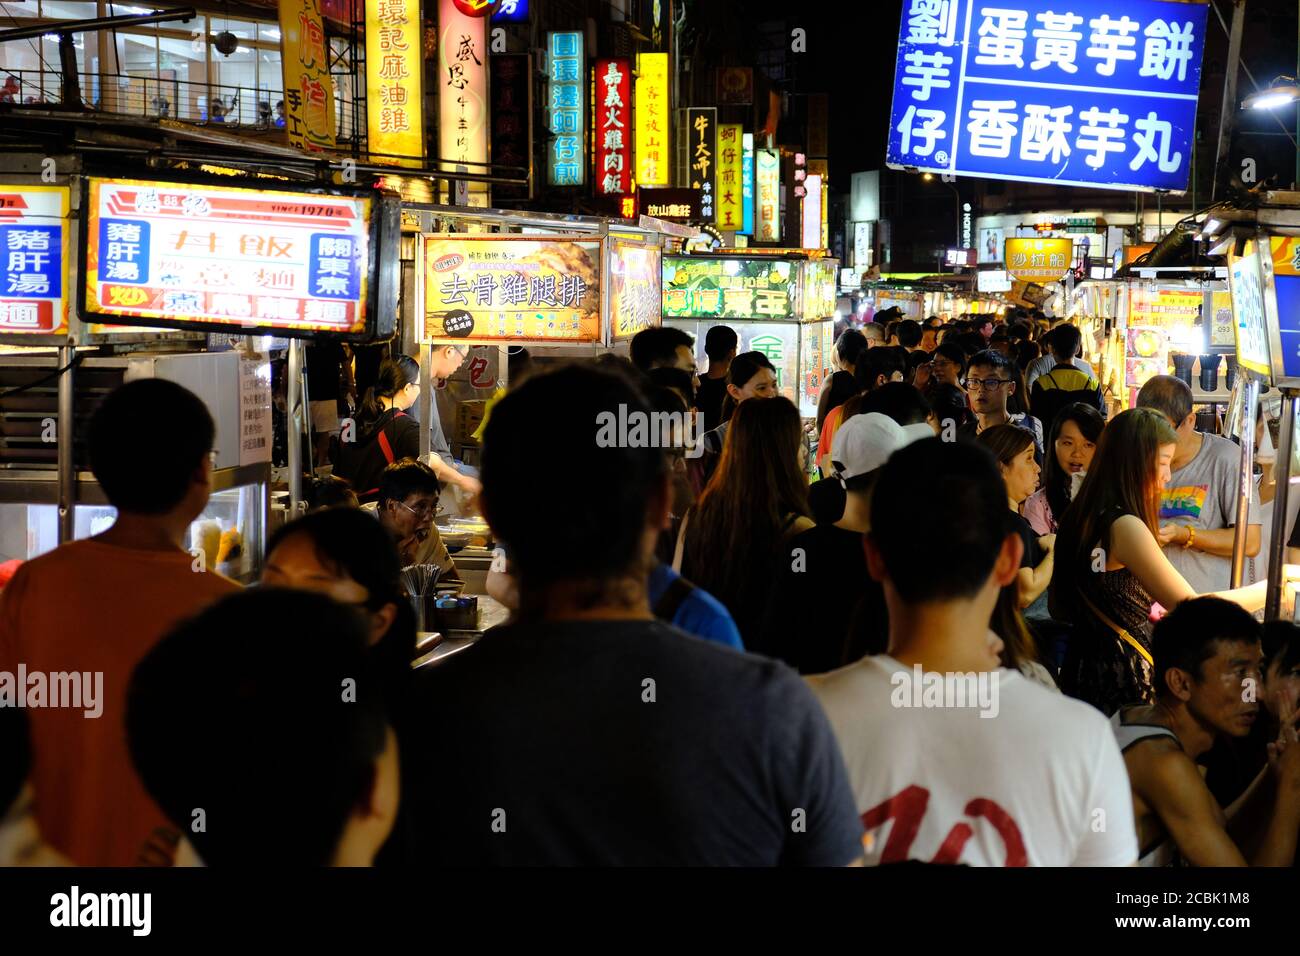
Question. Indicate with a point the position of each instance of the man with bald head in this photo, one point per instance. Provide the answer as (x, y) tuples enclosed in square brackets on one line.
[(1198, 508)]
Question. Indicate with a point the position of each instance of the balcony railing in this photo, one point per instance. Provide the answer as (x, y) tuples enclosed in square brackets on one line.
[(245, 107)]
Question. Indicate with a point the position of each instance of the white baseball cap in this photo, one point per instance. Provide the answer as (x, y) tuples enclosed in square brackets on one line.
[(865, 442)]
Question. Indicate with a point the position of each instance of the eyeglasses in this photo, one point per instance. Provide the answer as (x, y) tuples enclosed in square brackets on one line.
[(424, 511), (986, 384)]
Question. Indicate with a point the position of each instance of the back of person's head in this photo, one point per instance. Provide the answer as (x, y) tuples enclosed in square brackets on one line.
[(1186, 637), (329, 491), (949, 406), (678, 379), (939, 491), (909, 334), (394, 375), (902, 402), (652, 348), (1281, 650), (1167, 394), (1019, 330), (915, 360), (875, 363), (148, 440), (600, 538), (276, 740), (719, 342), (1026, 352), (407, 477), (875, 332), (850, 345), (1066, 340)]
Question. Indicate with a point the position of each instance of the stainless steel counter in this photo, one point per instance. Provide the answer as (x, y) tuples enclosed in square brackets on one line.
[(490, 614)]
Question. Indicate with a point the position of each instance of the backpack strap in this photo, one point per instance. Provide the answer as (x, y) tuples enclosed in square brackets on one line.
[(384, 445), (671, 601)]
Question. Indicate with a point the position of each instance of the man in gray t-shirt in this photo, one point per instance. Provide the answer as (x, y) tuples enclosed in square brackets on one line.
[(1198, 508)]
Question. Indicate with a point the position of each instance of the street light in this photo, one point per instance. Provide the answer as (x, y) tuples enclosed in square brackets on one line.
[(1284, 91)]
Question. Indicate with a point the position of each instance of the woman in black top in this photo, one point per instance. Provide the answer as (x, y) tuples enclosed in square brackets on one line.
[(384, 432), (1013, 447)]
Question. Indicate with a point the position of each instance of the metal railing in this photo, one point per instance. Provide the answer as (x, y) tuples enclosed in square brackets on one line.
[(245, 107)]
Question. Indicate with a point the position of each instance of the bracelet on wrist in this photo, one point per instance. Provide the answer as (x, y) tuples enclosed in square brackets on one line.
[(1191, 537)]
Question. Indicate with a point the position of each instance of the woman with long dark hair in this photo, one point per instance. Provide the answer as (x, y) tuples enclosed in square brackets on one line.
[(756, 499), (1069, 453), (1013, 447), (384, 432), (1110, 569)]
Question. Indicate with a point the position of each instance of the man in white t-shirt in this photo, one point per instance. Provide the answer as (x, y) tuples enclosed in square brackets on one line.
[(951, 758)]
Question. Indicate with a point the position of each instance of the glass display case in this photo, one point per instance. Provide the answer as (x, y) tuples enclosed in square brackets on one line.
[(230, 535)]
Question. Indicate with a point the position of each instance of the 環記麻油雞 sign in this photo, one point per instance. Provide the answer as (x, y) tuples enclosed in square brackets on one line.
[(183, 255), (635, 280), (1096, 93), (511, 289), (729, 288), (395, 117), (34, 243), (1040, 260)]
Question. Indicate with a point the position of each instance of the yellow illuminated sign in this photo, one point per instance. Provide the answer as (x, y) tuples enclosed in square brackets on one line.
[(653, 160), (1039, 260), (731, 150), (394, 96), (308, 89)]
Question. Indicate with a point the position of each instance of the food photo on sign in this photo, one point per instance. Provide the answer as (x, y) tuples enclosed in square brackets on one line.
[(501, 289)]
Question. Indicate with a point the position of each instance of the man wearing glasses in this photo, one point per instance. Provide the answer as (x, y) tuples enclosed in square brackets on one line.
[(407, 505), (990, 382)]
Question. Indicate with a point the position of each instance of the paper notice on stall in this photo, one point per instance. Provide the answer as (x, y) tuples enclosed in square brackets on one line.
[(254, 409)]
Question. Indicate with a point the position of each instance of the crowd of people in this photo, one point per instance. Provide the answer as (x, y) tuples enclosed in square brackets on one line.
[(997, 616)]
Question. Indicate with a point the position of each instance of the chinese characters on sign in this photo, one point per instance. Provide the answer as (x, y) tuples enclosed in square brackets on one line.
[(729, 288), (499, 289), (731, 211), (33, 242), (512, 117), (747, 185), (613, 81), (1091, 93), (254, 409), (635, 278), (652, 156), (511, 11), (1039, 259), (209, 255), (701, 158), (395, 99), (767, 180), (308, 89), (462, 94), (566, 109), (674, 205)]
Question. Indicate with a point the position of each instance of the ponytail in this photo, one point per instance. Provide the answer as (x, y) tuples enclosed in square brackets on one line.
[(394, 375)]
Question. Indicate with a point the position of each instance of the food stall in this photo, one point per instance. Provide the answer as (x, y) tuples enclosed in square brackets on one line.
[(780, 305), (124, 279), (562, 287)]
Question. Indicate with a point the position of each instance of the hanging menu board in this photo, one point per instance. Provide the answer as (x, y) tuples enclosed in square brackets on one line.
[(511, 289), (1245, 283), (34, 243), (202, 257)]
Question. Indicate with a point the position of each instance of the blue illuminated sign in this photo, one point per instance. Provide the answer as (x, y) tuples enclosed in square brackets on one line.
[(747, 188), (566, 109), (33, 261), (1086, 93), (511, 11), (124, 250)]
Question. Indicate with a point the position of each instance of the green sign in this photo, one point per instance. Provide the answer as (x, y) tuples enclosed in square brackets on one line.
[(729, 288)]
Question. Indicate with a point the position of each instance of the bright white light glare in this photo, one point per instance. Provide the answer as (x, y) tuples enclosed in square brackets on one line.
[(731, 267), (1271, 101)]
